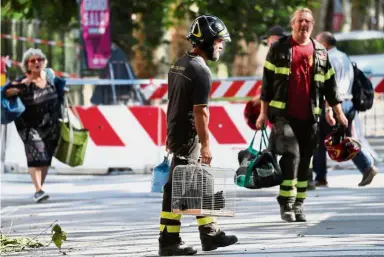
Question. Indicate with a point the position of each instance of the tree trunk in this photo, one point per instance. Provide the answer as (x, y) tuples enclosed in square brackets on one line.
[(245, 64), (359, 14), (143, 60), (179, 44), (320, 17), (347, 6)]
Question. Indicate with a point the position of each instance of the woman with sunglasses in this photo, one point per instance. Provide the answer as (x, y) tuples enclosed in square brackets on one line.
[(42, 94)]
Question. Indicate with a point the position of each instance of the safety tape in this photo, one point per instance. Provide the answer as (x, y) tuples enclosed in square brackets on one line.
[(57, 73), (40, 41)]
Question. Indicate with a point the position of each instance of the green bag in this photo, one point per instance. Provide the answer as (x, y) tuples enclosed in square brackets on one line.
[(244, 174), (73, 142)]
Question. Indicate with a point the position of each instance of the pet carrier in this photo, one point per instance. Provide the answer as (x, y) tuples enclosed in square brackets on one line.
[(203, 191)]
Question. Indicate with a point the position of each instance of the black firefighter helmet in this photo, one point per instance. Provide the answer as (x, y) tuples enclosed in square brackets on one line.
[(205, 29)]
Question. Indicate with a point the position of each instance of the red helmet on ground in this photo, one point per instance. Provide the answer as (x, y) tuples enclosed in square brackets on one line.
[(251, 113), (340, 147)]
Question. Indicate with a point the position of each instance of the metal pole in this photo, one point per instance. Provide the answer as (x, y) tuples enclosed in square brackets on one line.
[(135, 88), (3, 146), (112, 85)]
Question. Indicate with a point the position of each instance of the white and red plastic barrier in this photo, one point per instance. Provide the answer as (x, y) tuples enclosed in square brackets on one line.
[(247, 87), (133, 137)]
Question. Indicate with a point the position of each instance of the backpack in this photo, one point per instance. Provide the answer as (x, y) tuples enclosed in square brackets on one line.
[(362, 90)]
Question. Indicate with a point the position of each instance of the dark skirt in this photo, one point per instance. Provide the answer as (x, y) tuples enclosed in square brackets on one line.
[(39, 149)]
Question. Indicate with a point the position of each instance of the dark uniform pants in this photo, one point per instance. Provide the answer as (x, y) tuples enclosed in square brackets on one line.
[(295, 141), (171, 222)]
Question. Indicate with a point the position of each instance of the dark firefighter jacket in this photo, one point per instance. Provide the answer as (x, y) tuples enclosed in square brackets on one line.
[(277, 74)]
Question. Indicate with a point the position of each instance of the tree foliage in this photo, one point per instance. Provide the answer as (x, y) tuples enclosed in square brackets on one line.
[(57, 14), (245, 19)]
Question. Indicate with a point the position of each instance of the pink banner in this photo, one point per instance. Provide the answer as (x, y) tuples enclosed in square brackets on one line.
[(95, 18)]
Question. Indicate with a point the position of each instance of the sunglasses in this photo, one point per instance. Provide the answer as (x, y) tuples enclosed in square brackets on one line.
[(37, 59)]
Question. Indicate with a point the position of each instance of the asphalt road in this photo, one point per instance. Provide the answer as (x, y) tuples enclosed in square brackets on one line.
[(115, 215)]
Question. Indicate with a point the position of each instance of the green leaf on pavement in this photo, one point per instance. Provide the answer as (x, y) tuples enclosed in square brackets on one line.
[(58, 236)]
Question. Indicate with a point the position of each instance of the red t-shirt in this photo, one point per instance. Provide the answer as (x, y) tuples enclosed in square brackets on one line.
[(300, 81)]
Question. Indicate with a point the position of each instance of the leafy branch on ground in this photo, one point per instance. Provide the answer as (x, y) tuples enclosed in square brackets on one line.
[(17, 244)]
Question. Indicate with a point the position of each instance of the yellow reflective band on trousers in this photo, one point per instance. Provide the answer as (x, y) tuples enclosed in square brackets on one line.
[(317, 110), (170, 229), (277, 104), (301, 195), (289, 183), (170, 216), (287, 193), (205, 221), (302, 184)]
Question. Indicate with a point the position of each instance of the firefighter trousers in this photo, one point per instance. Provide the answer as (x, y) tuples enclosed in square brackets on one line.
[(295, 140), (170, 222)]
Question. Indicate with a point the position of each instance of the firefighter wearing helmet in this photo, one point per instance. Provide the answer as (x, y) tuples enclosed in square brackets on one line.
[(189, 84)]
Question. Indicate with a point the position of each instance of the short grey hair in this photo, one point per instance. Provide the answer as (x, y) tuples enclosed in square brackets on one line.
[(27, 55), (300, 10)]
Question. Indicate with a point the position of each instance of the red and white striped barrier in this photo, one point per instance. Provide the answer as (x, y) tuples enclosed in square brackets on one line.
[(39, 41), (220, 89), (233, 89), (134, 137)]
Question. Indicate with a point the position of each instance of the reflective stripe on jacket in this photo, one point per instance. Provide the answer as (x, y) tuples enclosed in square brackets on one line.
[(277, 70)]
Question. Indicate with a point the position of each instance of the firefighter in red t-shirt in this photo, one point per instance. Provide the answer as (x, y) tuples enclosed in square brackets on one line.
[(297, 77)]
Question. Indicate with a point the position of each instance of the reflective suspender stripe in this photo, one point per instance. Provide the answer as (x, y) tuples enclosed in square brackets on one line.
[(277, 104)]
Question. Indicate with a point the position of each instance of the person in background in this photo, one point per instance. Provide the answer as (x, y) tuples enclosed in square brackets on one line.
[(344, 78), (38, 126), (291, 102)]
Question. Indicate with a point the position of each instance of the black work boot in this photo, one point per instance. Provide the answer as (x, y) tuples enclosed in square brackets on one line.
[(210, 242), (170, 244), (298, 210), (286, 209)]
